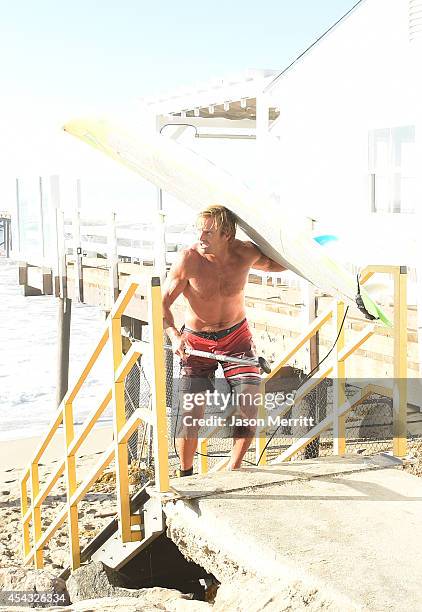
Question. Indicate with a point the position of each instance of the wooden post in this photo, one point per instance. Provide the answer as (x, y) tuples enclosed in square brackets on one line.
[(160, 249), (319, 394), (339, 386), (47, 281), (312, 315), (261, 437), (23, 280), (310, 403), (63, 340), (7, 237), (77, 250), (71, 486), (17, 245), (64, 317), (400, 363), (26, 542), (160, 264), (113, 260), (203, 457), (23, 273), (419, 312), (158, 388), (36, 516), (41, 220), (119, 419), (55, 199), (160, 267)]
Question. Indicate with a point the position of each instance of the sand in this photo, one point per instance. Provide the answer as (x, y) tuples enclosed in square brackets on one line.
[(95, 511)]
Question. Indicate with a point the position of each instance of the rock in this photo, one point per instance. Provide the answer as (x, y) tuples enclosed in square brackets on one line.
[(16, 578), (111, 604), (105, 514), (89, 527), (93, 579), (99, 580), (60, 557), (181, 605)]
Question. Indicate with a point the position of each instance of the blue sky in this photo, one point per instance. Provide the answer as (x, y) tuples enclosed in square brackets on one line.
[(90, 49), (60, 58)]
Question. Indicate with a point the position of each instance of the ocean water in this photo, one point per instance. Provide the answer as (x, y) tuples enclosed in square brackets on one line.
[(28, 358)]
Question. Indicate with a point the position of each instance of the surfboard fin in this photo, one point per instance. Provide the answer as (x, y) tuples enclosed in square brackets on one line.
[(361, 304)]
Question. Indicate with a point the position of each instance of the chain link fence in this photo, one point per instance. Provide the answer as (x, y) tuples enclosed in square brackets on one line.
[(369, 424)]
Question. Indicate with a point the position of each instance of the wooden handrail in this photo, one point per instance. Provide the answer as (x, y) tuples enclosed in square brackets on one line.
[(123, 430)]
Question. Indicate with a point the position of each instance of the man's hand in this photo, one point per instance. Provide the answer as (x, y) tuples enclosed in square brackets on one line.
[(178, 345)]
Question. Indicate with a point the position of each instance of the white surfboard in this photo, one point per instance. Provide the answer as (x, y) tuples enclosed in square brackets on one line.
[(199, 183)]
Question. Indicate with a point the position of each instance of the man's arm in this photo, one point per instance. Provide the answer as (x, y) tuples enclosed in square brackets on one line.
[(262, 262), (174, 285)]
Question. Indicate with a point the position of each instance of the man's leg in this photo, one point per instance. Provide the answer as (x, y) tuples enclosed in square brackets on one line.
[(247, 398), (186, 448), (191, 409)]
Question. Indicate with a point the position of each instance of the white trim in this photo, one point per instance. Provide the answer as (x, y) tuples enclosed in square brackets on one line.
[(211, 93), (270, 87)]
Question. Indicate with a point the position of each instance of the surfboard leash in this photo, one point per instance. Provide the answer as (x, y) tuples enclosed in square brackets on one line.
[(307, 377), (360, 303)]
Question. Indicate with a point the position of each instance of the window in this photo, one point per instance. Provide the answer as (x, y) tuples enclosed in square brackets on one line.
[(392, 168)]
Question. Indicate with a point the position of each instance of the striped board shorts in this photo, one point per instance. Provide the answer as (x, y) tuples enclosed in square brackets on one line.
[(235, 341)]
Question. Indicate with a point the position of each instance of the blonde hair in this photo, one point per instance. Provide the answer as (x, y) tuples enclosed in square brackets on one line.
[(223, 219)]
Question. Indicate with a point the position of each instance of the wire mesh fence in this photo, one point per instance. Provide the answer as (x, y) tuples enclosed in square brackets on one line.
[(414, 463), (137, 395), (368, 424)]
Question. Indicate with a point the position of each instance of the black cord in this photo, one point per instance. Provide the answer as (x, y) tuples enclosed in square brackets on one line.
[(307, 377), (223, 457)]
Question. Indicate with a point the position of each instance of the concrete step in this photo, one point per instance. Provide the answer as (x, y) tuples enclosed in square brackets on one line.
[(115, 554)]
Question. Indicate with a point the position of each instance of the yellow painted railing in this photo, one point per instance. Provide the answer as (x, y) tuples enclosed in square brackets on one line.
[(122, 429), (337, 368)]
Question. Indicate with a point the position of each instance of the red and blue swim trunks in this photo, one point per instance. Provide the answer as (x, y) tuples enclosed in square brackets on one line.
[(235, 341)]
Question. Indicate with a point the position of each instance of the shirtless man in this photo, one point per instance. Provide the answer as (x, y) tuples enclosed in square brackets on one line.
[(212, 275)]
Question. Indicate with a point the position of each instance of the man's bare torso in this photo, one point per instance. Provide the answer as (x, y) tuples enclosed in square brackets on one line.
[(215, 289)]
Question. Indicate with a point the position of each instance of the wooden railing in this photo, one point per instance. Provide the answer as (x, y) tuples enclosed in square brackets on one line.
[(122, 430)]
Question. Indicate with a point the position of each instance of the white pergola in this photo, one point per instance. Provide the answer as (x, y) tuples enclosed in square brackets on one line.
[(233, 107), (237, 102)]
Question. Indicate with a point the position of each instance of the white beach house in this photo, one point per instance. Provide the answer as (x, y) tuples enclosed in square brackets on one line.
[(338, 132), (350, 124)]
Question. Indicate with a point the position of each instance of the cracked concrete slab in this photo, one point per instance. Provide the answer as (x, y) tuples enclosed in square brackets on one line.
[(350, 528), (210, 484)]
